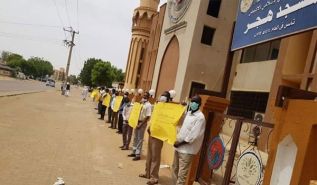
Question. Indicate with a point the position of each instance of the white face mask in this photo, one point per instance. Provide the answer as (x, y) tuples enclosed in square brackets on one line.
[(144, 100), (163, 99)]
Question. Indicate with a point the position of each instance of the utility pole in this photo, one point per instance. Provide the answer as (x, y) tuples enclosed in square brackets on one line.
[(70, 44)]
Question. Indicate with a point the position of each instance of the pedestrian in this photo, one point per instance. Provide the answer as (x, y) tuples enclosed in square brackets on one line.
[(123, 104), (145, 115), (126, 128), (113, 92), (63, 88), (67, 89), (84, 93), (189, 141), (153, 157)]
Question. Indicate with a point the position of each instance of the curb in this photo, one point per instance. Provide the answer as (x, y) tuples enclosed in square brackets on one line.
[(20, 93)]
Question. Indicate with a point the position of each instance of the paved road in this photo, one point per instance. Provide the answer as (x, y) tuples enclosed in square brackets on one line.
[(46, 135), (22, 85)]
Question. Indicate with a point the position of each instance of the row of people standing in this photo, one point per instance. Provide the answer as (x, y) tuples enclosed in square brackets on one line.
[(189, 137)]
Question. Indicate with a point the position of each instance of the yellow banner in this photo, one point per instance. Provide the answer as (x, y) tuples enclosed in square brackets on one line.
[(94, 93), (106, 100), (117, 103), (164, 120), (135, 114)]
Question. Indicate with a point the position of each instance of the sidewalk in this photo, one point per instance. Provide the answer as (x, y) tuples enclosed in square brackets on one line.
[(45, 135)]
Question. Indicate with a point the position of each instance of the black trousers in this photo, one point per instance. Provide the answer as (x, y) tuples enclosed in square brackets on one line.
[(120, 123), (99, 107), (109, 114), (103, 111)]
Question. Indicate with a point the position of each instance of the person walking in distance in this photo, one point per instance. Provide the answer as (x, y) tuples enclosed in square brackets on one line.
[(189, 141), (153, 157), (141, 127), (67, 89), (84, 93)]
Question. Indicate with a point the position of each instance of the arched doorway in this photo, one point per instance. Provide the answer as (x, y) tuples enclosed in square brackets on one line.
[(169, 66)]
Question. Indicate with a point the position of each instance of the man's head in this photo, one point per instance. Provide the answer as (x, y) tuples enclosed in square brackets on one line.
[(126, 100), (107, 90), (145, 97), (113, 91), (195, 103), (126, 94), (165, 97)]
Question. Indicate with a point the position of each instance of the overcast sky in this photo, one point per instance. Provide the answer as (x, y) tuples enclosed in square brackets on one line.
[(34, 28)]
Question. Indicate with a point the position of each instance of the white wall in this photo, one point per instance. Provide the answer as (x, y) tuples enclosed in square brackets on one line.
[(255, 76)]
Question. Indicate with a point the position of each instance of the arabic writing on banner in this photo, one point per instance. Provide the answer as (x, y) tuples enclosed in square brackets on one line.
[(117, 103), (135, 114), (106, 101), (263, 20), (164, 120)]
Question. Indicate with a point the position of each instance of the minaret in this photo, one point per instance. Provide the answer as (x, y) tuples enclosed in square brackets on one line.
[(141, 27)]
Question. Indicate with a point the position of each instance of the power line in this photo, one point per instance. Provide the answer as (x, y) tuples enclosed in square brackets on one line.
[(28, 36), (29, 39), (67, 13), (59, 16), (77, 14), (30, 24)]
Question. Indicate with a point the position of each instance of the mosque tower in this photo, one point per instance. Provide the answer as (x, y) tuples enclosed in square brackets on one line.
[(141, 27)]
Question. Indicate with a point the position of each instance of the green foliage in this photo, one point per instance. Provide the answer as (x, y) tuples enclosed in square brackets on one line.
[(35, 66), (85, 74), (73, 79), (97, 72), (39, 67), (102, 74), (118, 74)]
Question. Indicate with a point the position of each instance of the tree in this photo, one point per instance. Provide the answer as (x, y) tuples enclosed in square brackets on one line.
[(118, 74), (15, 61), (73, 79), (39, 67), (85, 74), (102, 74)]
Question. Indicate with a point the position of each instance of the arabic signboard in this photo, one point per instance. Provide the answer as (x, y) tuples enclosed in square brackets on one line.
[(263, 20)]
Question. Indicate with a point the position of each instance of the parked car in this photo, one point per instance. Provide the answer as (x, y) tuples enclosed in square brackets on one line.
[(50, 82)]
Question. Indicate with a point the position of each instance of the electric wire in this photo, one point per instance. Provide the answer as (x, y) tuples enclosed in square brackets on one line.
[(30, 24), (59, 17), (67, 13)]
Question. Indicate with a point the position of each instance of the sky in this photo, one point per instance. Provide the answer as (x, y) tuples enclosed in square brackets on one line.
[(35, 28)]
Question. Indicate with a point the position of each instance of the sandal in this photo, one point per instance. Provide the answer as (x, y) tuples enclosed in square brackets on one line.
[(144, 176)]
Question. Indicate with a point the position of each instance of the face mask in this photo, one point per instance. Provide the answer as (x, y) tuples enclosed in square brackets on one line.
[(194, 106), (125, 96), (163, 99), (144, 100)]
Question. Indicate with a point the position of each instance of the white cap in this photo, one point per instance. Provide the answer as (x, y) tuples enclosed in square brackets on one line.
[(132, 90), (152, 92), (172, 93), (140, 91)]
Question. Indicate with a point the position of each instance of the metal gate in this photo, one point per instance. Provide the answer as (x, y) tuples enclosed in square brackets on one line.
[(234, 151)]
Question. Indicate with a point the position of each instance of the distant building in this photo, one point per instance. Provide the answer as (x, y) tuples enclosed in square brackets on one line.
[(5, 70), (59, 75)]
